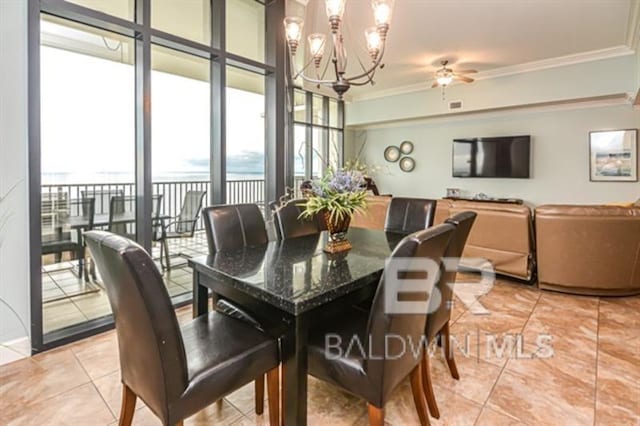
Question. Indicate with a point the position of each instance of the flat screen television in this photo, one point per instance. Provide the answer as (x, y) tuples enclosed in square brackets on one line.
[(498, 157)]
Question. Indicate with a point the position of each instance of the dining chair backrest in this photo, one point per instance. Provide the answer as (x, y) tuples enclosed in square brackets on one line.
[(152, 355), (74, 209), (395, 339), (440, 310), (102, 198), (156, 206), (289, 224), (120, 205), (408, 215), (190, 212), (234, 226), (156, 212), (84, 208)]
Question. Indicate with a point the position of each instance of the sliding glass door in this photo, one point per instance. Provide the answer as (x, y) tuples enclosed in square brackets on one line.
[(245, 118), (146, 112), (87, 161)]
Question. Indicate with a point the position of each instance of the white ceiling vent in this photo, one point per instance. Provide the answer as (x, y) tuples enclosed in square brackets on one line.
[(455, 105)]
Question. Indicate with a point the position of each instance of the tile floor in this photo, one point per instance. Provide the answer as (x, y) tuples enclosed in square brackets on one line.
[(69, 300), (593, 376)]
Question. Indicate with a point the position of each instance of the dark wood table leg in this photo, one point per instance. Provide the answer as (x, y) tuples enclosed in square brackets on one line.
[(200, 296), (294, 375)]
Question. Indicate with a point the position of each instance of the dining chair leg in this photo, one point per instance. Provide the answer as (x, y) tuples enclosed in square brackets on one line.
[(376, 415), (259, 387), (128, 406), (273, 390), (418, 396), (427, 385), (448, 351)]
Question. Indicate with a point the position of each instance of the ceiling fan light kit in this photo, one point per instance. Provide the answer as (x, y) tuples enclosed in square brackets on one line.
[(445, 76), (375, 38)]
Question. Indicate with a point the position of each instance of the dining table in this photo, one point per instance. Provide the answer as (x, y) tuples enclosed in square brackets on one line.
[(79, 224), (289, 286)]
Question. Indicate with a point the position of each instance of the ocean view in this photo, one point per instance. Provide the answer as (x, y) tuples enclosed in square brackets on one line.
[(122, 177)]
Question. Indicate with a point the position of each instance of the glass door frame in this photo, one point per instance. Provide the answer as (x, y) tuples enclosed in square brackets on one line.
[(140, 29)]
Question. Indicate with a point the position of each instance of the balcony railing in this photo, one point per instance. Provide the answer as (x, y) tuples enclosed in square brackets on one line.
[(238, 191)]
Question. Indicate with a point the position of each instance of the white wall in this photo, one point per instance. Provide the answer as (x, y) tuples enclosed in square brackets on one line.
[(560, 154), (14, 230), (605, 77)]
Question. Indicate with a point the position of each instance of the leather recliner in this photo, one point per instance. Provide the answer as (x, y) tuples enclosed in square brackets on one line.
[(502, 234), (177, 371), (591, 250), (375, 215)]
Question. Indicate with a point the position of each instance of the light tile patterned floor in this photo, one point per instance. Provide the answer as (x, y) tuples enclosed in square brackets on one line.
[(592, 378), (69, 300)]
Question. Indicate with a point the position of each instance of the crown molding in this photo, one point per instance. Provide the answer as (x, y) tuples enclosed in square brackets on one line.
[(633, 26), (560, 61), (568, 104)]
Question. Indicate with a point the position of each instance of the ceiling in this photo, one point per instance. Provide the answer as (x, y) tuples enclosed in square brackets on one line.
[(481, 34)]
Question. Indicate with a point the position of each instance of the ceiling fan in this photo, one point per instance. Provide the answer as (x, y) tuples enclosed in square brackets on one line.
[(444, 76)]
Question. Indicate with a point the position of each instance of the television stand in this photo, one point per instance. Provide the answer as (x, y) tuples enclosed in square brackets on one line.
[(488, 200)]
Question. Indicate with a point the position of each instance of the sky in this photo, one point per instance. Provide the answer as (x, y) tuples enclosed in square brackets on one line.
[(88, 120)]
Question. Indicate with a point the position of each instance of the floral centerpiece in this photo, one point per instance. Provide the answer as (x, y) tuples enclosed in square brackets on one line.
[(335, 198)]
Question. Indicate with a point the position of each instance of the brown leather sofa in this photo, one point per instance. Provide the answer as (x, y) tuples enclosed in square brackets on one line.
[(501, 234), (592, 250), (375, 214)]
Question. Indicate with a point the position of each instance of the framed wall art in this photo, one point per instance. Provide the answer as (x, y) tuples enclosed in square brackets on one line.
[(613, 156)]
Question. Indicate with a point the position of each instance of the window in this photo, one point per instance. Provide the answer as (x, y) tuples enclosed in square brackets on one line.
[(246, 29), (246, 133), (120, 8), (87, 161), (318, 135), (189, 19), (132, 118)]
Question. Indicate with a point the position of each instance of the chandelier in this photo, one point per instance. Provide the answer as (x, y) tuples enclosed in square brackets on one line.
[(375, 38)]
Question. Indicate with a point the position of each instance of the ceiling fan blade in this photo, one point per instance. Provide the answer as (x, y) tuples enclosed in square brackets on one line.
[(434, 85), (466, 72), (462, 78)]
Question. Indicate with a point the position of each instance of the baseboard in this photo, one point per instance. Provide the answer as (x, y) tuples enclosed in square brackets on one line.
[(14, 350)]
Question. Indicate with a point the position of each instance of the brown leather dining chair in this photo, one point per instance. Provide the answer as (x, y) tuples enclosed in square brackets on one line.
[(408, 215), (440, 314), (177, 371), (347, 363), (289, 224), (232, 227)]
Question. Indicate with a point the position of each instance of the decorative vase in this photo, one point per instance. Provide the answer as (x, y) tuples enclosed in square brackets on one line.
[(337, 228)]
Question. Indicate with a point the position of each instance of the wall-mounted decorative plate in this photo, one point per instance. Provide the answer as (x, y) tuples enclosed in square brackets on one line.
[(407, 164), (392, 154), (406, 147)]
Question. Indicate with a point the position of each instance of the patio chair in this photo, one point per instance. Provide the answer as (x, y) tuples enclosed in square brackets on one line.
[(71, 220), (102, 198), (119, 222), (182, 226)]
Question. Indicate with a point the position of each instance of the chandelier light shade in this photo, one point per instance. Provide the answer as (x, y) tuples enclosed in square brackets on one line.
[(335, 9), (375, 38), (293, 27), (382, 11)]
